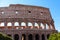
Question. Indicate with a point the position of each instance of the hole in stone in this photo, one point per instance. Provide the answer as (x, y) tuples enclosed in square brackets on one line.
[(16, 12), (41, 12), (29, 11), (2, 12)]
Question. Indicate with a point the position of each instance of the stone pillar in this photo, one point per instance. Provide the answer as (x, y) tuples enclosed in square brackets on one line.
[(12, 36), (40, 38), (45, 36), (0, 23), (44, 25), (26, 24), (5, 25), (34, 37), (19, 25), (26, 36), (49, 26), (33, 25), (20, 36), (12, 25), (39, 25), (53, 26)]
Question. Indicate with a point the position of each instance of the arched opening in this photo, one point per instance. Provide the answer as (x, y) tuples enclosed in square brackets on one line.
[(16, 37), (30, 25), (23, 37), (42, 25), (48, 36), (47, 27), (9, 35), (23, 24), (16, 24), (36, 25), (51, 26), (37, 37), (9, 24), (2, 24), (43, 37), (30, 37)]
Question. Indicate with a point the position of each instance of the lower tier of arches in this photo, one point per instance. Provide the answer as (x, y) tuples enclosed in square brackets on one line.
[(29, 34)]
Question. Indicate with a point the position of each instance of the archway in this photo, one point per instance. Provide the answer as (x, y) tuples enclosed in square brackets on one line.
[(48, 36), (2, 24), (30, 25), (9, 24), (16, 37), (9, 35), (23, 24), (37, 37), (16, 24), (23, 37), (51, 26), (42, 25), (43, 37), (30, 37), (36, 25), (47, 26)]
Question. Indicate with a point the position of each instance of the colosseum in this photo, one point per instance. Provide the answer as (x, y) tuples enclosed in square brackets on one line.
[(26, 22)]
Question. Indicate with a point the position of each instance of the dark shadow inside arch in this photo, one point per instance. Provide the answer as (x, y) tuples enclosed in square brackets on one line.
[(9, 35), (30, 37), (16, 37), (37, 37), (48, 36), (23, 37), (43, 37)]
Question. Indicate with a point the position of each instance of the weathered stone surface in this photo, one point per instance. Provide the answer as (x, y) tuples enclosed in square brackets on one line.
[(24, 14)]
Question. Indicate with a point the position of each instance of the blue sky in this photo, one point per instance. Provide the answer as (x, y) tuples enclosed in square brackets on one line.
[(53, 5)]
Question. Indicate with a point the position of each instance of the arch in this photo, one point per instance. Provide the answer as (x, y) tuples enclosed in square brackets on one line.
[(9, 24), (30, 37), (16, 37), (37, 37), (47, 26), (51, 26), (23, 37), (23, 24), (30, 24), (36, 24), (9, 35), (43, 37), (42, 25), (16, 24), (2, 24), (48, 36)]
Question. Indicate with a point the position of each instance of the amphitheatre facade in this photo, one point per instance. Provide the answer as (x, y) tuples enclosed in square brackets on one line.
[(25, 22)]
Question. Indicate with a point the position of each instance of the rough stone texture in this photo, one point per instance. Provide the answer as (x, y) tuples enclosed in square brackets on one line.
[(26, 13)]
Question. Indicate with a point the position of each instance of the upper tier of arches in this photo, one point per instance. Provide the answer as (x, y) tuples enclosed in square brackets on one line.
[(24, 25)]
